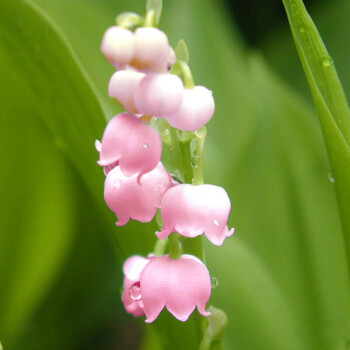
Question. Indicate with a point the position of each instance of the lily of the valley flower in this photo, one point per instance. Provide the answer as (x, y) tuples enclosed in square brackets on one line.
[(131, 144), (122, 86), (178, 285), (138, 201), (118, 45), (152, 49), (132, 269), (159, 94), (196, 109), (192, 210)]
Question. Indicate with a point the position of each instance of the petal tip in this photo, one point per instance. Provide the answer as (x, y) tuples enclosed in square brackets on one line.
[(98, 145)]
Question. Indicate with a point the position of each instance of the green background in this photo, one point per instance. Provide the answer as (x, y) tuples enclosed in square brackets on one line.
[(283, 275)]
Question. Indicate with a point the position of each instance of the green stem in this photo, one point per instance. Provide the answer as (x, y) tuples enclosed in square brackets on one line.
[(187, 74), (160, 246), (198, 157), (175, 249), (128, 20), (150, 19)]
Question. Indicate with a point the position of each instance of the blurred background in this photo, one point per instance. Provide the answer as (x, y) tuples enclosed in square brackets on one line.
[(282, 278)]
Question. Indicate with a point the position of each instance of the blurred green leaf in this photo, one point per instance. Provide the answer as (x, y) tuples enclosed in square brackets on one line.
[(156, 6), (330, 101), (181, 51), (49, 120)]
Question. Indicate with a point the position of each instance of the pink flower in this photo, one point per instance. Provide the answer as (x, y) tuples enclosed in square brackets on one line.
[(159, 94), (151, 49), (197, 109), (165, 68), (179, 285), (132, 269), (122, 86), (192, 210), (118, 45), (131, 200), (131, 144)]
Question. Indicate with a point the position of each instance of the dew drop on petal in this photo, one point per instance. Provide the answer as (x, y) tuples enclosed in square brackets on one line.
[(216, 222), (214, 282), (145, 146), (135, 291), (116, 183)]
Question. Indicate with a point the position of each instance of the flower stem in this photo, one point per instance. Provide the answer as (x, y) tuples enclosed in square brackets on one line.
[(150, 19), (187, 74), (198, 157), (175, 249), (160, 246)]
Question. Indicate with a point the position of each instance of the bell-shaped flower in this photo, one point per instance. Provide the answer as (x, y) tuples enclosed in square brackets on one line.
[(132, 200), (192, 210), (118, 45), (159, 94), (165, 68), (131, 144), (151, 49), (122, 86), (132, 269), (196, 109), (179, 285)]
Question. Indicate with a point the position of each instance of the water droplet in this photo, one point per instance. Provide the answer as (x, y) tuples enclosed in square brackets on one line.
[(216, 222), (302, 29), (166, 132), (214, 282), (194, 161), (135, 291), (327, 61), (116, 183), (145, 146), (331, 177)]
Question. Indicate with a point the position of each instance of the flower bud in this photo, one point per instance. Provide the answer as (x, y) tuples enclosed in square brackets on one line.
[(165, 68), (151, 49), (122, 86), (118, 45), (197, 109), (159, 94)]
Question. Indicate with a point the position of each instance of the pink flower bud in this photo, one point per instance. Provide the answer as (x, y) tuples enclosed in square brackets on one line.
[(122, 86), (118, 45), (131, 144), (131, 200), (197, 109), (165, 68), (192, 210), (151, 49), (159, 94), (179, 285), (132, 269)]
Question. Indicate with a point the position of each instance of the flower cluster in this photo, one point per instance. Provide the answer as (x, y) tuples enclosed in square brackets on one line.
[(137, 183)]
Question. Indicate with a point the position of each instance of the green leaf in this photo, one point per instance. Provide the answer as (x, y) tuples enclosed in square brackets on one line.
[(330, 102), (181, 51), (49, 120), (156, 7)]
